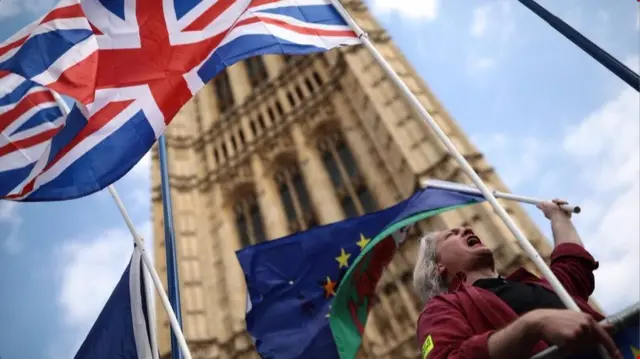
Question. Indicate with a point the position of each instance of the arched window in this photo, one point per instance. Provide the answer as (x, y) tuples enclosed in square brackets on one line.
[(256, 70), (248, 220), (223, 90), (352, 191), (295, 199)]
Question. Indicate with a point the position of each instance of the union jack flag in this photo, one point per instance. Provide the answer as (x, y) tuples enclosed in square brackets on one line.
[(132, 65)]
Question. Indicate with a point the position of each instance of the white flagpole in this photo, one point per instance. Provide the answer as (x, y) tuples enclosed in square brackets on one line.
[(182, 342), (149, 269), (503, 195), (151, 313), (466, 167)]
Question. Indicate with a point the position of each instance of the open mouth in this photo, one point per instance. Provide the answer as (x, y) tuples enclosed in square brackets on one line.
[(473, 241)]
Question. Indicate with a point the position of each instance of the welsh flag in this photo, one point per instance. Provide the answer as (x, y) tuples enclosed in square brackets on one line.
[(354, 298)]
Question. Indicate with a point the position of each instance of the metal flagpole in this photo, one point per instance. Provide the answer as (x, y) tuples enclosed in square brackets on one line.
[(503, 195), (169, 243), (464, 165), (604, 58), (175, 326)]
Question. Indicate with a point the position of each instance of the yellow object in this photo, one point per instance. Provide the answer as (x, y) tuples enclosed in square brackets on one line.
[(427, 347)]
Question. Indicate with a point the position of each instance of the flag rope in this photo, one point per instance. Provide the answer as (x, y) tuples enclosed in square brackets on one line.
[(176, 329), (464, 165)]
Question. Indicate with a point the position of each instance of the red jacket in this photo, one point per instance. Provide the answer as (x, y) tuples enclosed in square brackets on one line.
[(461, 321)]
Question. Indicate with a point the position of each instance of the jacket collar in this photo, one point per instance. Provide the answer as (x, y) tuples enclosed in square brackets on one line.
[(457, 282), (519, 275)]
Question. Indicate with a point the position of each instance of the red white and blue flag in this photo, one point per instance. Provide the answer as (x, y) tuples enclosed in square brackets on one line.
[(132, 65)]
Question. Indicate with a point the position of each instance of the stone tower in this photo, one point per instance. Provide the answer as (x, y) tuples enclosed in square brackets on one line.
[(278, 144)]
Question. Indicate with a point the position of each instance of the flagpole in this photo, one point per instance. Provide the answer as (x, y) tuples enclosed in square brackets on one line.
[(169, 243), (175, 326), (177, 331), (528, 248), (502, 195), (148, 292), (604, 58), (465, 166), (620, 321)]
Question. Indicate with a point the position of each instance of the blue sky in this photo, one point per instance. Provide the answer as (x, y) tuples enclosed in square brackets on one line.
[(550, 119)]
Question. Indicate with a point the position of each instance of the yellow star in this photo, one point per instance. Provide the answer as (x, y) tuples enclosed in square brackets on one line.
[(343, 259), (363, 241), (635, 351)]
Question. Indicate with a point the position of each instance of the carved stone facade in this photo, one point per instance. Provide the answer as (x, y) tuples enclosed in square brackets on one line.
[(303, 141)]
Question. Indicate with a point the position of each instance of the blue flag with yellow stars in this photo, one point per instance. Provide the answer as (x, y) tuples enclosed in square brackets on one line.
[(291, 282)]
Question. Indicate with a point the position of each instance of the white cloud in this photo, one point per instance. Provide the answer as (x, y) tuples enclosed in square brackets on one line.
[(480, 20), (478, 65), (531, 151), (607, 145), (492, 28), (142, 169), (633, 62), (596, 163), (138, 193), (9, 215), (9, 8), (91, 265), (13, 8), (412, 9)]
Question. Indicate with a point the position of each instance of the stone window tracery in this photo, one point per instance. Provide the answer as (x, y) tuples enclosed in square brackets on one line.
[(353, 194), (295, 199), (224, 94), (256, 70), (248, 220)]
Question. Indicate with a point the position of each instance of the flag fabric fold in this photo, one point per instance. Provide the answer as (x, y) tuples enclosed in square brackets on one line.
[(292, 282), (122, 328), (132, 64)]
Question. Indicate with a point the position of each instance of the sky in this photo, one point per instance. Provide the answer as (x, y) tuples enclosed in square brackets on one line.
[(551, 120)]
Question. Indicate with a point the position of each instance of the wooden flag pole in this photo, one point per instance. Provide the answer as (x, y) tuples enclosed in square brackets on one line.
[(464, 165)]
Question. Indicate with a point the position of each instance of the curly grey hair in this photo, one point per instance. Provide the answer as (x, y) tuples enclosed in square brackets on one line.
[(426, 279)]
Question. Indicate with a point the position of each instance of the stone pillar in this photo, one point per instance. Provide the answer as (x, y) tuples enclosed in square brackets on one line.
[(273, 215), (316, 179), (273, 63), (240, 84), (364, 152), (233, 277)]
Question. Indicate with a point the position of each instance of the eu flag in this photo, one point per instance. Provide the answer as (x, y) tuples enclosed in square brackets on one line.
[(291, 282), (122, 328)]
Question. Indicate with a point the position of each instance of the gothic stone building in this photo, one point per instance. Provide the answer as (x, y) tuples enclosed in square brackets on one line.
[(279, 144)]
